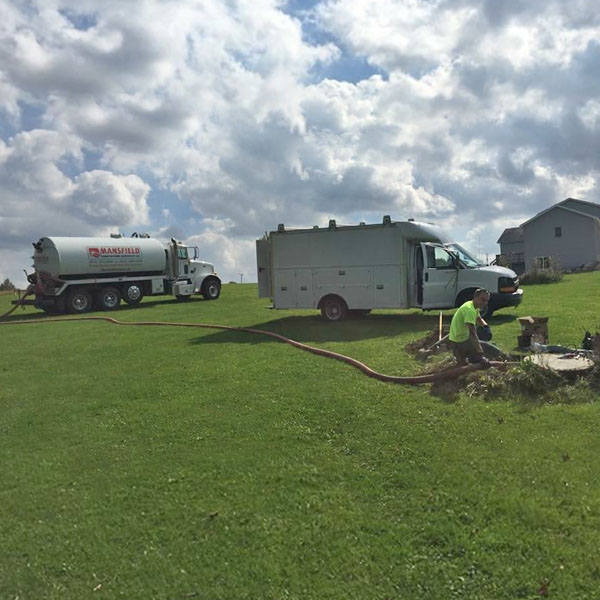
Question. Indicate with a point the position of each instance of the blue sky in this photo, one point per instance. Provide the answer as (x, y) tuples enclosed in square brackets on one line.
[(216, 121)]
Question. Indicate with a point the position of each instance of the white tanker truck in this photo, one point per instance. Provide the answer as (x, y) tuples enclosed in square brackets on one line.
[(76, 274)]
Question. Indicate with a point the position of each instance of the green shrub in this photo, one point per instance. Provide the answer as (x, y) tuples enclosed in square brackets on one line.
[(551, 273)]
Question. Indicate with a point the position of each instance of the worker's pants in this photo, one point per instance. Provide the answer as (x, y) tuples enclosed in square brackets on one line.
[(465, 351)]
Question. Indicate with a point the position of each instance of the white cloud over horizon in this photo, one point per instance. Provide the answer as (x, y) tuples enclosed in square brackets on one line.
[(215, 121)]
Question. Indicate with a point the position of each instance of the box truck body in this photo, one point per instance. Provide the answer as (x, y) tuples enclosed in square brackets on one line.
[(400, 264)]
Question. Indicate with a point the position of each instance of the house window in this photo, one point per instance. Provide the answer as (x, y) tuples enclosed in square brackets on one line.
[(542, 262), (558, 232)]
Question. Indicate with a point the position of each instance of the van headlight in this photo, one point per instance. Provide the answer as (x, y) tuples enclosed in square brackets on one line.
[(507, 285)]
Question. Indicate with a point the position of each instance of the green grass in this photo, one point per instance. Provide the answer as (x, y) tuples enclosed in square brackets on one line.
[(185, 463)]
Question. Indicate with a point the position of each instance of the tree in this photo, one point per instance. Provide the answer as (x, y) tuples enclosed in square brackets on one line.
[(7, 286)]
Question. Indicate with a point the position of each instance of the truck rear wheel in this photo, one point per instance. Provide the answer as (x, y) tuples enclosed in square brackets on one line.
[(132, 294), (333, 308), (211, 289), (79, 301), (108, 298)]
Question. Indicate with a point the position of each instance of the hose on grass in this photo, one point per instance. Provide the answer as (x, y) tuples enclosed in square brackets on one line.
[(19, 302), (415, 380)]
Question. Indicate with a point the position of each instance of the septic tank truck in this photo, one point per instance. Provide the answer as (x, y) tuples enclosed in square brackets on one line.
[(76, 274)]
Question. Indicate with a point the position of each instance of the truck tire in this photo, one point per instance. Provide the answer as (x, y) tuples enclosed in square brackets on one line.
[(333, 308), (79, 301), (108, 298), (211, 288), (133, 294)]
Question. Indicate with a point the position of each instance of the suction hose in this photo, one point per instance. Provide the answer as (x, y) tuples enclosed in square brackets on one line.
[(28, 292), (416, 380)]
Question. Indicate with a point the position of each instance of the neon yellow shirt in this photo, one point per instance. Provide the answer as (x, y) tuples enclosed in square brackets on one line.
[(466, 315)]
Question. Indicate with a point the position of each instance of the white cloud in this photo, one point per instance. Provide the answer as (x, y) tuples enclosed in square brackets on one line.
[(102, 197), (38, 198)]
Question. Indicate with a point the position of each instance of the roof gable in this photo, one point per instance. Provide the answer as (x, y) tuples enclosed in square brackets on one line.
[(558, 207), (590, 208)]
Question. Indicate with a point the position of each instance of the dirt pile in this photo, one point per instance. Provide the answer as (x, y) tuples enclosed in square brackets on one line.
[(425, 342)]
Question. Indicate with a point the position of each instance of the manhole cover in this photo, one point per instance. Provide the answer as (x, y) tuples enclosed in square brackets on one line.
[(561, 362)]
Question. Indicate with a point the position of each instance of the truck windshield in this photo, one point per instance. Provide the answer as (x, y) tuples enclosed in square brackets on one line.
[(464, 256)]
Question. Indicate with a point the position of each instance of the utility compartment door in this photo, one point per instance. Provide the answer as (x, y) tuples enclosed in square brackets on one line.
[(353, 284), (285, 288), (304, 289), (439, 277), (263, 268), (387, 287)]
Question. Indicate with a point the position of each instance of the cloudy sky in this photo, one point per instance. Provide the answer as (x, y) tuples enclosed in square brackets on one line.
[(213, 121)]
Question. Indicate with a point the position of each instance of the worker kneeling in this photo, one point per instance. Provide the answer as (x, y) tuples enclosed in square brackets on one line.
[(463, 330)]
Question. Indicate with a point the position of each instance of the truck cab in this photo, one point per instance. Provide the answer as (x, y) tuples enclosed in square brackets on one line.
[(189, 275)]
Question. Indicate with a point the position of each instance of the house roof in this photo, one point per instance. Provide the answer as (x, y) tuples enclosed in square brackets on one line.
[(560, 206), (583, 203), (511, 235)]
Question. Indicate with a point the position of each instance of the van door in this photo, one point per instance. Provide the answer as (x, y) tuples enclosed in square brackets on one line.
[(440, 277)]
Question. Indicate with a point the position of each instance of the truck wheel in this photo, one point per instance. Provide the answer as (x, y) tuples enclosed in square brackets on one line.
[(108, 298), (132, 294), (334, 309), (211, 289), (79, 301)]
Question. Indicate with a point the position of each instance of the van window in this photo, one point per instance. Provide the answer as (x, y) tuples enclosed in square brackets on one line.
[(438, 258)]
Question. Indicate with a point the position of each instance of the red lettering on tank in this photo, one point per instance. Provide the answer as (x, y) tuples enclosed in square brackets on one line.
[(105, 251)]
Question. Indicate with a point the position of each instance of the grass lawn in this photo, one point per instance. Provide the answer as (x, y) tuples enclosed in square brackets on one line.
[(176, 463)]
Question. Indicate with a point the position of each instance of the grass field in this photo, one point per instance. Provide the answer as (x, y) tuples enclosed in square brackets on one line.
[(184, 463)]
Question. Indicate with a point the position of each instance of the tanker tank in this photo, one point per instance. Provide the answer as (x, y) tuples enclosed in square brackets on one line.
[(78, 257)]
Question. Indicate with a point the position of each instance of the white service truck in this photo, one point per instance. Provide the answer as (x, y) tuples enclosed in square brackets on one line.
[(393, 264), (76, 274)]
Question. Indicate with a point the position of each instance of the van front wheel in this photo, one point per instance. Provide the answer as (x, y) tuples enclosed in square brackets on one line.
[(334, 309)]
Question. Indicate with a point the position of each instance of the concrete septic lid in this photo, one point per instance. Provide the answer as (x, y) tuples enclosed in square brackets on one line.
[(532, 320), (562, 363)]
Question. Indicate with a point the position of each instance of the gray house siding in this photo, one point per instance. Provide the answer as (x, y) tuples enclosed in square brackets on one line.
[(589, 208), (512, 248), (577, 245)]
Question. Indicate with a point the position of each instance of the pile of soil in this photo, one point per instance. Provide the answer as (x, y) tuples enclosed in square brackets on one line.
[(426, 342)]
